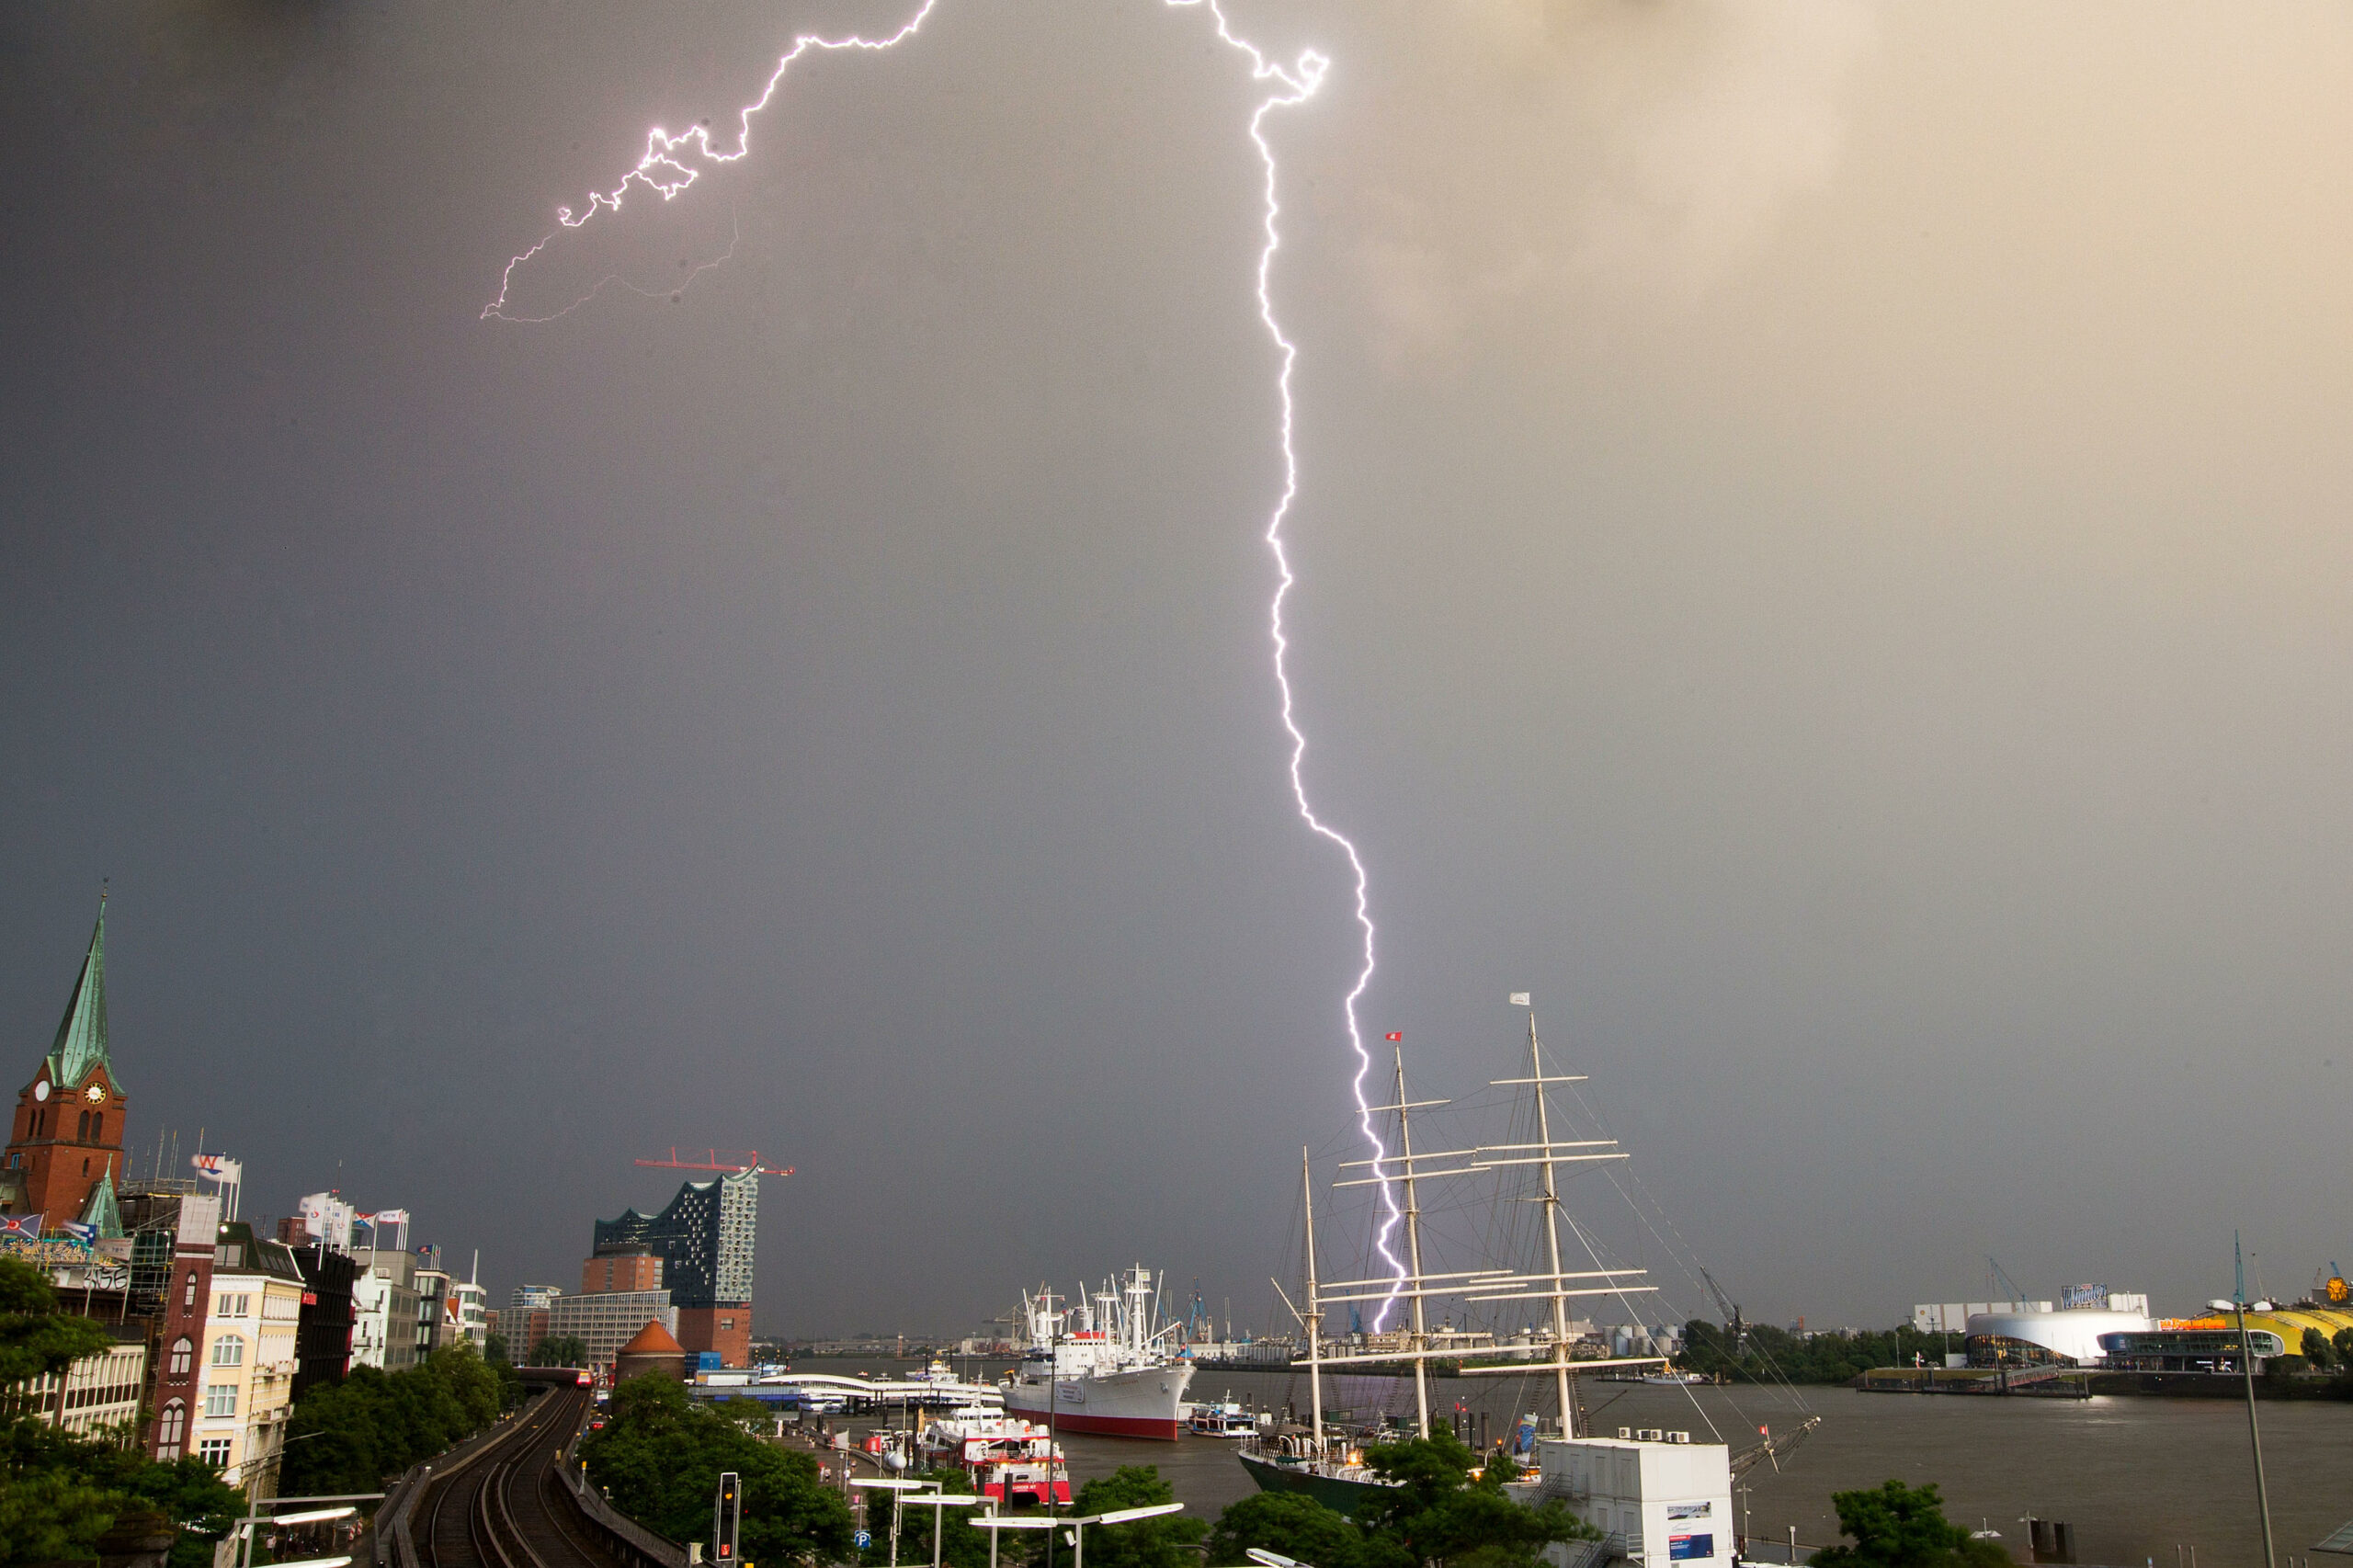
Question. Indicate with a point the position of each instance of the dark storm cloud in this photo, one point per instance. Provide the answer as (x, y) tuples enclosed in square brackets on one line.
[(1819, 555)]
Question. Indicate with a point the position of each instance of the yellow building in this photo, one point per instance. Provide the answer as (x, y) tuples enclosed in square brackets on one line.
[(248, 1359)]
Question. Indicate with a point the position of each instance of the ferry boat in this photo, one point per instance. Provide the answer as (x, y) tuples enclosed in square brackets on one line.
[(1222, 1417), (1102, 1367), (1008, 1457)]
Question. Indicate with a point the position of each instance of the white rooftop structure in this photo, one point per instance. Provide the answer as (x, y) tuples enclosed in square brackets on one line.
[(1661, 1499)]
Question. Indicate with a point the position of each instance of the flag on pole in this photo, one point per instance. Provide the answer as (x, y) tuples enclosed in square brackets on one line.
[(24, 1225), (1398, 1034), (85, 1234), (1519, 999)]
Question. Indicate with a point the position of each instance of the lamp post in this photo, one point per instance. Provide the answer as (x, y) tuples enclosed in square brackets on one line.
[(2254, 1432), (1078, 1526), (897, 1488), (247, 1526)]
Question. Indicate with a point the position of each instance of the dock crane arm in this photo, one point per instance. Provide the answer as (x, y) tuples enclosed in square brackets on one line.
[(1731, 1314)]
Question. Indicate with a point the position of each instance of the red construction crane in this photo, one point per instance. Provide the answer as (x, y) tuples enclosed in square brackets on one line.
[(712, 1162)]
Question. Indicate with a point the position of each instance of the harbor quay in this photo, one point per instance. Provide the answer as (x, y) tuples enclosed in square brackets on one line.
[(2132, 1477)]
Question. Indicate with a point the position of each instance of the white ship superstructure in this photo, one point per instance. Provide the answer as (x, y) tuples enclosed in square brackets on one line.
[(1103, 1366)]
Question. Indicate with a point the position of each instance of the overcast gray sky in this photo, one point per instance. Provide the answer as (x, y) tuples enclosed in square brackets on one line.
[(1823, 554)]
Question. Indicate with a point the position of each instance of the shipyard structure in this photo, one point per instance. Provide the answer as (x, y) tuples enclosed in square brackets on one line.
[(700, 1249)]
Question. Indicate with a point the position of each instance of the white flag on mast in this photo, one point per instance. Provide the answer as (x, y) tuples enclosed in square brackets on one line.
[(1519, 998)]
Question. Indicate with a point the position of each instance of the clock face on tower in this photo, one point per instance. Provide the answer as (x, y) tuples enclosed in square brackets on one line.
[(41, 1090), (97, 1092)]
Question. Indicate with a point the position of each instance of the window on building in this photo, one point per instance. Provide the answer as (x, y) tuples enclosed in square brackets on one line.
[(85, 1168), (220, 1399), (169, 1426), (229, 1350), (183, 1351), (98, 1127), (82, 1128), (214, 1452)]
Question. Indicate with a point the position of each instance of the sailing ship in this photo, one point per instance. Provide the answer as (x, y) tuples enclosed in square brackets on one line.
[(1327, 1462), (1104, 1366)]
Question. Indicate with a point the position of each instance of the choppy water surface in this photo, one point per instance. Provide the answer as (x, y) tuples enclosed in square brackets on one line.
[(2137, 1478)]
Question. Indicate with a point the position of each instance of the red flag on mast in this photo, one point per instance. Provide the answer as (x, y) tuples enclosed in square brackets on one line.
[(1398, 1035)]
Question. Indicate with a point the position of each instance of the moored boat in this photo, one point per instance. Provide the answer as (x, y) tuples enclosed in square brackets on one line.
[(1102, 1367)]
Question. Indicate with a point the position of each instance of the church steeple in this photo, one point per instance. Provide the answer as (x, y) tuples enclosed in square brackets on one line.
[(81, 1045)]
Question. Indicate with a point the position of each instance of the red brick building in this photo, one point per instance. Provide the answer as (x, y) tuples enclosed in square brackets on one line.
[(66, 1136)]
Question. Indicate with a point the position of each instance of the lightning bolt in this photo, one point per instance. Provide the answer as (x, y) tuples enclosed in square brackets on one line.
[(672, 162)]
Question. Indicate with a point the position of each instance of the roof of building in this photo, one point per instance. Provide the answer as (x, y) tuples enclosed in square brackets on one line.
[(80, 1048), (101, 1210), (653, 1340)]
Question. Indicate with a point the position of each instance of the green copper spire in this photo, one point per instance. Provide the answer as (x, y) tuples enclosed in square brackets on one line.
[(80, 1046), (101, 1210)]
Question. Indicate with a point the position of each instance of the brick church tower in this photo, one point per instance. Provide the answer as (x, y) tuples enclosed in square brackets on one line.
[(67, 1135)]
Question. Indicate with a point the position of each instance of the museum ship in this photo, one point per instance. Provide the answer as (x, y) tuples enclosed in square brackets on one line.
[(1101, 1367), (1327, 1462)]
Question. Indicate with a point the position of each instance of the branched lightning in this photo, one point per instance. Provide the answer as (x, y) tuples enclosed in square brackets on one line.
[(671, 164)]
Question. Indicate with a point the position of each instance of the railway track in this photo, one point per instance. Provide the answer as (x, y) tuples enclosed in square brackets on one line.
[(508, 1508)]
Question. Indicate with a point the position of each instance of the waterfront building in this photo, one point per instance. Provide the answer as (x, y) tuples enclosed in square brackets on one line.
[(621, 1271), (97, 1396), (324, 1332), (185, 1302), (650, 1349), (610, 1319), (705, 1240), (383, 1300), (67, 1135), (525, 1321), (436, 1307), (2065, 1338), (473, 1318), (1664, 1499), (247, 1359)]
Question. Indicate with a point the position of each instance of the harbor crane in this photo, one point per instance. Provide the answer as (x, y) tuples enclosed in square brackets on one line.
[(1994, 1276), (747, 1165), (1731, 1314)]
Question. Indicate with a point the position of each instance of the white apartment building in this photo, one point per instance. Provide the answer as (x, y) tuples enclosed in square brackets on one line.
[(610, 1319), (384, 1310), (473, 1321), (245, 1362), (97, 1397)]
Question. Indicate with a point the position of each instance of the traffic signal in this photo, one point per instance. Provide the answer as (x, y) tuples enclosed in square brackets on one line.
[(727, 1520)]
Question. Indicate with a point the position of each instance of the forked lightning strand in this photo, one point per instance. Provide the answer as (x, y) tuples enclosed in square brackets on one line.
[(671, 163)]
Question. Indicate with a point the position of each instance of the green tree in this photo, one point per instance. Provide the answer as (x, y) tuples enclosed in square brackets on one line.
[(349, 1437), (59, 1493), (36, 1339), (1896, 1526), (561, 1350), (494, 1350), (1290, 1523), (1160, 1542), (659, 1459), (2318, 1351), (1436, 1512)]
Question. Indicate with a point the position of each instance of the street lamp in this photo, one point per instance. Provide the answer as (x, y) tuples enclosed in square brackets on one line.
[(1078, 1527), (898, 1489), (2254, 1432)]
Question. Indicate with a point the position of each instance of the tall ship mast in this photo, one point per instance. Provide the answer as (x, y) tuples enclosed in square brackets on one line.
[(1329, 1463)]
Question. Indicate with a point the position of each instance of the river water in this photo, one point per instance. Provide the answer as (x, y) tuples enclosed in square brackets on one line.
[(2137, 1478)]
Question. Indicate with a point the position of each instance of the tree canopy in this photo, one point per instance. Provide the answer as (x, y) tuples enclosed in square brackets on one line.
[(659, 1460), (59, 1495), (1896, 1526), (350, 1437), (1443, 1510)]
